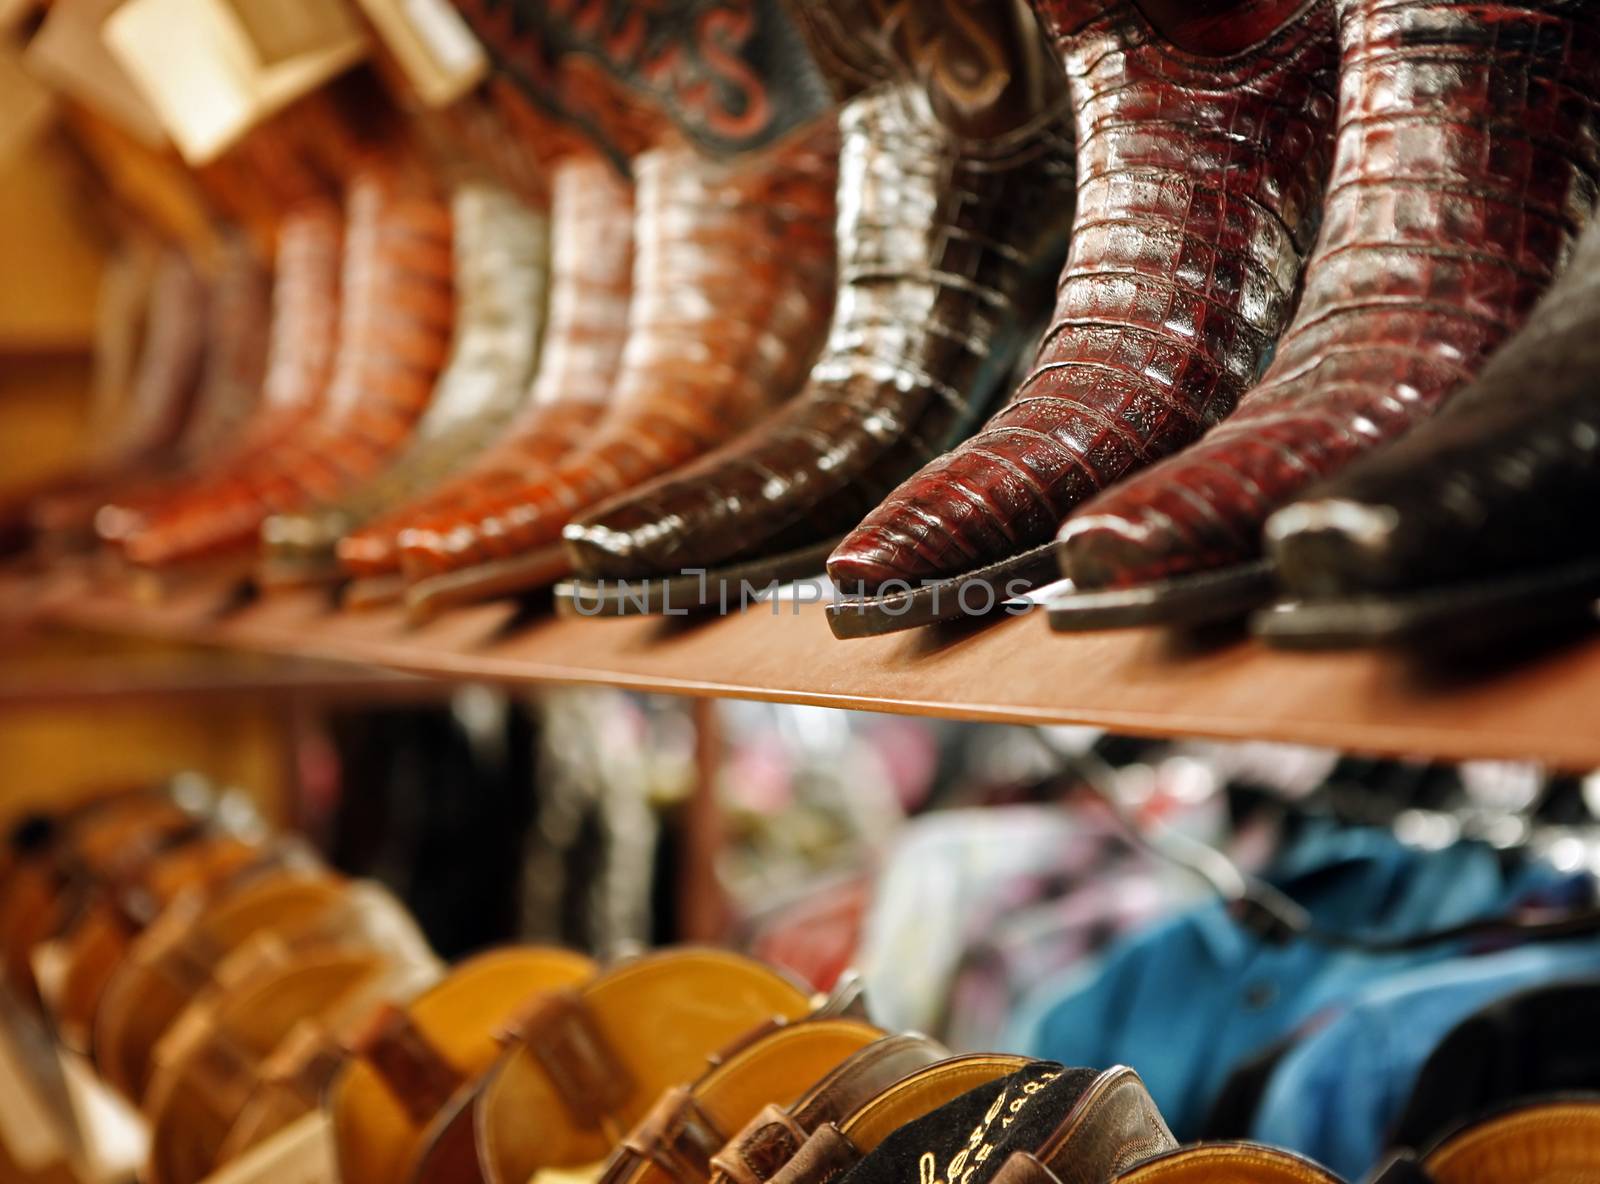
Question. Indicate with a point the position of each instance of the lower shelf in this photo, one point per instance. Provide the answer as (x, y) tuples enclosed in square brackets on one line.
[(1011, 670)]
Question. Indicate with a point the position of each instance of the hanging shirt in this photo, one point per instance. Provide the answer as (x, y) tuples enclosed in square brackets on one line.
[(1337, 1094), (1185, 1002)]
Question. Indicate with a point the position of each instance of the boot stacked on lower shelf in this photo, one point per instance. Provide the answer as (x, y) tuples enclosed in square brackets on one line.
[(256, 1006)]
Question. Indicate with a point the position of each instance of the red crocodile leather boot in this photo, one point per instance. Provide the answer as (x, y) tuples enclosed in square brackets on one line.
[(1204, 138), (591, 237), (733, 284), (395, 322), (1467, 161)]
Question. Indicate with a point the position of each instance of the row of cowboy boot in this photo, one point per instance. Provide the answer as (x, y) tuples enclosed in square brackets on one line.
[(1466, 168), (733, 281), (362, 305), (300, 351), (951, 188), (1438, 232), (591, 269), (500, 246), (1294, 230), (395, 320), (232, 331)]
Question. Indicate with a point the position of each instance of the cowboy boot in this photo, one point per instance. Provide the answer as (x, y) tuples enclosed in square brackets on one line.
[(395, 323), (500, 254), (1202, 147), (1468, 519), (232, 371), (1466, 165), (302, 342), (143, 407), (591, 246), (732, 288), (950, 188)]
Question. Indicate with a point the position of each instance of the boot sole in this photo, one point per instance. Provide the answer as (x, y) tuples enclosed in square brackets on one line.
[(853, 617), (1202, 599), (497, 579), (1446, 616)]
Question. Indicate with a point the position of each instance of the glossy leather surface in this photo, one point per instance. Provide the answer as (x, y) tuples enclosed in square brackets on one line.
[(1199, 182), (300, 353), (378, 1115), (1466, 167), (501, 273), (591, 248), (733, 284), (943, 207), (295, 1079), (1484, 489), (396, 316)]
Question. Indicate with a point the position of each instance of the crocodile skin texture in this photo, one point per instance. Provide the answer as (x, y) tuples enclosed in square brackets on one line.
[(1466, 166), (591, 245), (300, 354), (395, 324), (937, 228), (733, 285), (1199, 182), (501, 258), (1484, 488)]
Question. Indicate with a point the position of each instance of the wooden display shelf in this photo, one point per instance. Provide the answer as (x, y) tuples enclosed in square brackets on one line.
[(1011, 670)]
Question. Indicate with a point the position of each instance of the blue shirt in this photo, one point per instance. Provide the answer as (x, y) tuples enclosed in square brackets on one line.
[(1338, 1093), (1186, 1001)]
